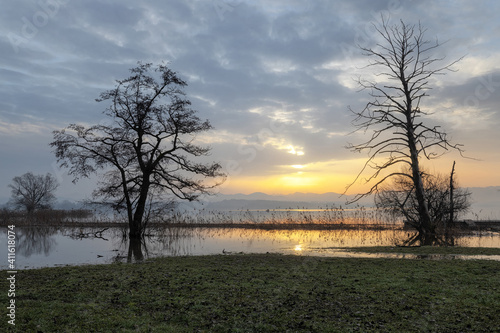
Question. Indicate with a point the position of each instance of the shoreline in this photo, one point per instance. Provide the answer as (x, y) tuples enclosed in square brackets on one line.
[(458, 226)]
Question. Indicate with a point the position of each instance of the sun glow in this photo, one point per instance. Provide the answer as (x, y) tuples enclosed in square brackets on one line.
[(297, 181), (294, 151), (307, 178)]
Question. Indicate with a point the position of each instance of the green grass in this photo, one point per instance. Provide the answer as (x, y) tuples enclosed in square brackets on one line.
[(423, 250), (259, 293)]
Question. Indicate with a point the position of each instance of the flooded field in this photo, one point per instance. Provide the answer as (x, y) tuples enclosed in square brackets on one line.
[(55, 246)]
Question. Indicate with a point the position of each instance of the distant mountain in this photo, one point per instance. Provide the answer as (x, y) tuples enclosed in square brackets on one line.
[(68, 205), (3, 201), (331, 197), (241, 204), (485, 201), (258, 200), (485, 194)]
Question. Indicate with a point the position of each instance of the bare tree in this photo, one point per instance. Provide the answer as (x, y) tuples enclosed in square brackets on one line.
[(32, 192), (399, 134), (399, 198), (146, 153)]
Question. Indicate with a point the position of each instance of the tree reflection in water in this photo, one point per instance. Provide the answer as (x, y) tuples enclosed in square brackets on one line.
[(135, 250), (163, 240), (101, 245), (421, 239), (35, 240)]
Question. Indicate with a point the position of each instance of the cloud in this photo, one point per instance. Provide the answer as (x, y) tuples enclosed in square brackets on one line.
[(471, 104), (23, 128), (268, 75)]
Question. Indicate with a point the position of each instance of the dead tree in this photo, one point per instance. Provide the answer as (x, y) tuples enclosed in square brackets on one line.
[(400, 136)]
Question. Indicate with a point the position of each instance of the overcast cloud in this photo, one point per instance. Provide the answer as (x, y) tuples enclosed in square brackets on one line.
[(275, 78)]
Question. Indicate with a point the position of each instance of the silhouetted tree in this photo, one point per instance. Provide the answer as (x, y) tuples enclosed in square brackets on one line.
[(32, 192), (400, 199), (399, 133), (147, 149)]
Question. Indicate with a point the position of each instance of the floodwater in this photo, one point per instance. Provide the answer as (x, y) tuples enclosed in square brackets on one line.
[(53, 246)]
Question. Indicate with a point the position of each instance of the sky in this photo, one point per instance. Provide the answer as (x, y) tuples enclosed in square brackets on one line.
[(275, 78)]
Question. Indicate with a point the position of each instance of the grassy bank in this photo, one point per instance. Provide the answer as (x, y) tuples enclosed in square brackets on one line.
[(259, 293), (423, 250)]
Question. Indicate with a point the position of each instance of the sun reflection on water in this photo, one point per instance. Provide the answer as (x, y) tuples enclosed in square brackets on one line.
[(39, 247)]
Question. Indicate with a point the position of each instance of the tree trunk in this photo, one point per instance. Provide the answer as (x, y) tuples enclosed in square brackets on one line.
[(452, 206), (130, 214), (423, 210), (135, 228), (136, 225), (425, 225)]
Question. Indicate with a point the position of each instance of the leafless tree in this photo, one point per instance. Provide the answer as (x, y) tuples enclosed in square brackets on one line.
[(146, 153), (399, 198), (32, 192), (400, 136)]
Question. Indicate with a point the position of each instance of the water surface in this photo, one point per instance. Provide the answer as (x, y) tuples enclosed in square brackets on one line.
[(51, 246)]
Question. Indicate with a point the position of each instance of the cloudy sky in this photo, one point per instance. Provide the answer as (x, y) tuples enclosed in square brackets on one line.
[(275, 78)]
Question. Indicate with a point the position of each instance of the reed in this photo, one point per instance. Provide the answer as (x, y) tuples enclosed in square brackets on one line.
[(331, 216), (44, 217)]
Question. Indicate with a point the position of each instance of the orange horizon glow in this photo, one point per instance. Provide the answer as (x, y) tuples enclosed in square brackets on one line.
[(327, 178)]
